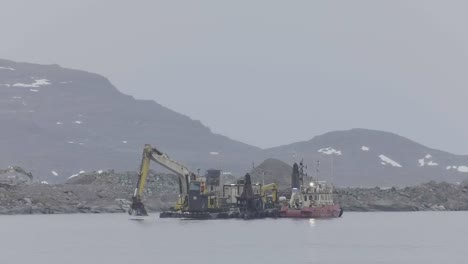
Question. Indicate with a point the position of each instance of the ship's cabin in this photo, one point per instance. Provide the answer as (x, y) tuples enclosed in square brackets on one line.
[(317, 193)]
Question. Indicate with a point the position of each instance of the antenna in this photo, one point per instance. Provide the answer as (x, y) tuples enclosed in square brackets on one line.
[(317, 169)]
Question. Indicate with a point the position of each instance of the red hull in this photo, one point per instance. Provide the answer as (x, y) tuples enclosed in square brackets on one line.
[(326, 211)]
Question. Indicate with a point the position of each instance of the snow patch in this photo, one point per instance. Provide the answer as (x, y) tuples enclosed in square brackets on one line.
[(36, 84), (7, 68), (17, 97), (100, 171), (214, 153), (54, 173), (463, 169), (386, 160), (59, 123), (421, 162), (125, 142), (71, 142), (427, 160), (44, 182), (78, 122), (76, 175), (330, 151), (34, 90), (364, 148)]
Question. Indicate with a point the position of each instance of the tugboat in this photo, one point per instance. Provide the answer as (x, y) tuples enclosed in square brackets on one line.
[(310, 198)]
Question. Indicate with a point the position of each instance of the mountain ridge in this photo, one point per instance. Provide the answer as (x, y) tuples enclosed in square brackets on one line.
[(60, 122), (56, 112)]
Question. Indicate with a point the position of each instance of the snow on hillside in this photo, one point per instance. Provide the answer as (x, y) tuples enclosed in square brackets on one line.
[(386, 160), (330, 151), (36, 84), (427, 160)]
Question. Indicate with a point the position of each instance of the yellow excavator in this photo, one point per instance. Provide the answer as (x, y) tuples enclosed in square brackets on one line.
[(270, 201), (186, 179)]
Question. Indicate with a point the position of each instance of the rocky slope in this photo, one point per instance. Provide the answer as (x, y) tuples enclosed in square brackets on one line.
[(95, 192), (367, 158), (58, 122), (273, 171), (430, 196), (110, 192)]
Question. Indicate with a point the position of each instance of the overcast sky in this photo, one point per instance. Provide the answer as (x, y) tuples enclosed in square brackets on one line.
[(267, 72)]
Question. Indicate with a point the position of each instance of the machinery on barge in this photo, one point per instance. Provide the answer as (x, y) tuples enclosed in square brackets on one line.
[(200, 196), (197, 194), (310, 198)]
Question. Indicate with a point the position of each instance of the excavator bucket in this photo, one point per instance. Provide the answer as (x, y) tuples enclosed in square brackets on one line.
[(137, 208)]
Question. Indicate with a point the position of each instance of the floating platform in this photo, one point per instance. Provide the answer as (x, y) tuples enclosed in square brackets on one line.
[(268, 213)]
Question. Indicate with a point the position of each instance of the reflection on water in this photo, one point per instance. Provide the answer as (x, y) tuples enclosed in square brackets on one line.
[(357, 238), (312, 222)]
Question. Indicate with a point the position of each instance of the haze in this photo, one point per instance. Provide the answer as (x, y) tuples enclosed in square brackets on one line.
[(267, 72)]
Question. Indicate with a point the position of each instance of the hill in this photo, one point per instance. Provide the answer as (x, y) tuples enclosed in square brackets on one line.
[(362, 157), (273, 170), (58, 122)]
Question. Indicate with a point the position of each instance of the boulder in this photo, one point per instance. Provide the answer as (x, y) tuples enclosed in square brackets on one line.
[(15, 176)]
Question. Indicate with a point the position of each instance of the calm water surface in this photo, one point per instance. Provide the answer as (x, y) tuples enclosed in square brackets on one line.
[(357, 238)]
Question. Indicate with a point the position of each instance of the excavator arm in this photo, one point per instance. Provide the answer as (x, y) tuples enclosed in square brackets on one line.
[(273, 187), (152, 154)]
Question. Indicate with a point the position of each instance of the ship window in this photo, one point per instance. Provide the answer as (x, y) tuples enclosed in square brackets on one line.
[(310, 198), (305, 198), (194, 186)]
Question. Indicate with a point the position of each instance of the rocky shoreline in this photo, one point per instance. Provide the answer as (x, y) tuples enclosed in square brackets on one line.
[(430, 196), (109, 192), (95, 192)]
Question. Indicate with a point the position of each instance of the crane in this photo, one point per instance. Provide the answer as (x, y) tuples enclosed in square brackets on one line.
[(273, 187), (185, 176)]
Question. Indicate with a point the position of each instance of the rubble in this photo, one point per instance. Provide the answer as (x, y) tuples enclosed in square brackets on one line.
[(430, 196), (95, 192), (110, 192), (14, 175)]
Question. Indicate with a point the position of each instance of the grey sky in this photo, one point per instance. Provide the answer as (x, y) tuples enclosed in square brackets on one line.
[(267, 72)]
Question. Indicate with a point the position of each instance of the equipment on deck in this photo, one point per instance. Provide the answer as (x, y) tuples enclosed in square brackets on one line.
[(309, 200), (270, 201), (250, 204), (189, 185)]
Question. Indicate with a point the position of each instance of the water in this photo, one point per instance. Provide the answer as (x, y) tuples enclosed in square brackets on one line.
[(423, 237)]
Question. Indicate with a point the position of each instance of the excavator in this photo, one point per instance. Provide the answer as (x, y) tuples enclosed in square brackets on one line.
[(187, 179), (270, 201), (198, 198)]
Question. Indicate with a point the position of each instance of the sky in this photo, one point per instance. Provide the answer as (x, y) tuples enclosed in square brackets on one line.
[(267, 72)]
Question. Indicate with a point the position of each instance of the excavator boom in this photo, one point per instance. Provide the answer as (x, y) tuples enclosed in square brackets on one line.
[(152, 154), (270, 187)]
